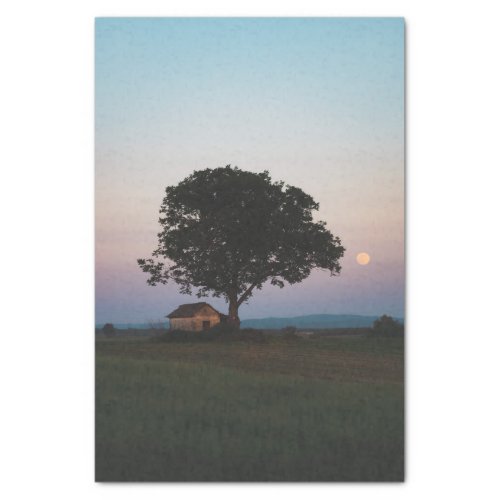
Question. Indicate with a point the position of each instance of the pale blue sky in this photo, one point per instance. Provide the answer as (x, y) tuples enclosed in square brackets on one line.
[(317, 102)]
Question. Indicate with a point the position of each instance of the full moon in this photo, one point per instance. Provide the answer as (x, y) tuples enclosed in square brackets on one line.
[(362, 258)]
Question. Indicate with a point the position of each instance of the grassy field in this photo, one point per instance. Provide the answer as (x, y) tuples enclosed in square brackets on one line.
[(318, 409)]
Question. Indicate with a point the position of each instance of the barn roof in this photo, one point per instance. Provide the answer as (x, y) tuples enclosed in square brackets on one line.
[(190, 310)]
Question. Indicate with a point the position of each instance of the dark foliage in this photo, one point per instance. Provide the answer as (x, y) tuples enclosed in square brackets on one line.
[(219, 333), (226, 232), (109, 330), (290, 333), (387, 326)]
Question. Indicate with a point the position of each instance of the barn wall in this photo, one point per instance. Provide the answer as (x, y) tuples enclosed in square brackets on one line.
[(195, 323)]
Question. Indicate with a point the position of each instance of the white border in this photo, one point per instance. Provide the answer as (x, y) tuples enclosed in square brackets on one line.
[(47, 250)]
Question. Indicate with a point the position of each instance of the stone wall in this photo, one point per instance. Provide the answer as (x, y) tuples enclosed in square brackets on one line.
[(195, 323)]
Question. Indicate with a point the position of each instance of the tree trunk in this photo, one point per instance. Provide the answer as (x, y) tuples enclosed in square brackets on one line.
[(233, 319)]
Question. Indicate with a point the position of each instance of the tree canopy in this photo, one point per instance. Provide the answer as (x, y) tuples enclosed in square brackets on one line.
[(387, 325), (226, 232)]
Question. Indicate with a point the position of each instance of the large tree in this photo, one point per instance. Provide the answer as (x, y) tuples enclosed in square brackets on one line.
[(226, 232)]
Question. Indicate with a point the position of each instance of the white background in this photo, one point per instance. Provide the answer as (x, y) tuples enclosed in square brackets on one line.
[(46, 113)]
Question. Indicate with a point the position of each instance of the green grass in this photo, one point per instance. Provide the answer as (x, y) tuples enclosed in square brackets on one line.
[(311, 410)]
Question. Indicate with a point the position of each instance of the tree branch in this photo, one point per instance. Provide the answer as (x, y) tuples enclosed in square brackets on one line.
[(246, 294)]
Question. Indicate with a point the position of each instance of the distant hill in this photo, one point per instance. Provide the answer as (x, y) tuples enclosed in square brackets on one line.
[(314, 321), (309, 321)]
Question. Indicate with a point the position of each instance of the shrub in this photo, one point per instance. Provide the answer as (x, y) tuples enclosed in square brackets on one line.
[(180, 336), (387, 326), (109, 330), (219, 333), (224, 332), (290, 333), (252, 335), (223, 329)]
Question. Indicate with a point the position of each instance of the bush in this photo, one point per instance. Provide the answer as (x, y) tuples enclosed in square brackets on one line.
[(290, 333), (228, 333), (252, 335), (387, 326), (223, 329), (109, 330), (180, 336), (219, 333)]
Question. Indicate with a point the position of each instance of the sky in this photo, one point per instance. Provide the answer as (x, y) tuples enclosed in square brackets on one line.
[(318, 102)]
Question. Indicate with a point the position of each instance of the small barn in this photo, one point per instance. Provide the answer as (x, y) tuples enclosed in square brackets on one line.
[(195, 317)]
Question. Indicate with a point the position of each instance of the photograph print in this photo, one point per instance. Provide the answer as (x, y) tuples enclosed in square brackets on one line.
[(249, 249)]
